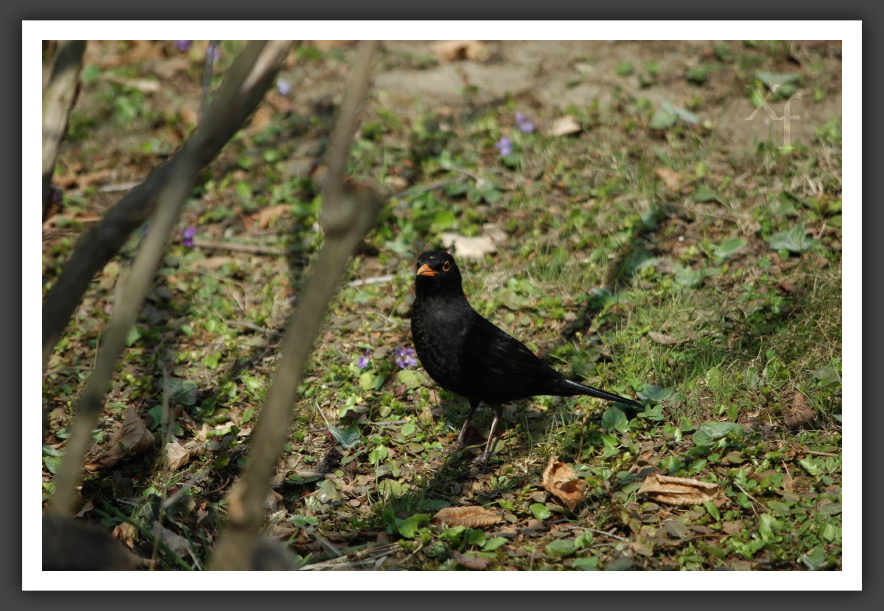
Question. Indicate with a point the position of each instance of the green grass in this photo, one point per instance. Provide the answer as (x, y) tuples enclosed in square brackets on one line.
[(688, 297)]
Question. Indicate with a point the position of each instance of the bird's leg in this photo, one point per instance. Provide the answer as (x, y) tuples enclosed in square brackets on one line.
[(498, 411), (474, 403)]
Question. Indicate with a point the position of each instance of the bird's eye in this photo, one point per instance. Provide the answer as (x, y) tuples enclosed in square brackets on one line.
[(446, 266)]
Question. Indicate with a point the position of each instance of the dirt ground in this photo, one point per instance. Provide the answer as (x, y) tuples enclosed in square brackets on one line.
[(557, 74)]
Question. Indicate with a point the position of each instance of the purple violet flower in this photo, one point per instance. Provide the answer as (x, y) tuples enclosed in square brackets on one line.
[(183, 45), (505, 146), (364, 360), (405, 357), (283, 87), (523, 124), (188, 235)]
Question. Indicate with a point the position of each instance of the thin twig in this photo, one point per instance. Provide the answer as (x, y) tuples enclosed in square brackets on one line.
[(601, 532), (255, 249), (373, 280)]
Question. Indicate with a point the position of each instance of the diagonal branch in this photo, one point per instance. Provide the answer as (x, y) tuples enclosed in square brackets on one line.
[(243, 89), (249, 77), (348, 213)]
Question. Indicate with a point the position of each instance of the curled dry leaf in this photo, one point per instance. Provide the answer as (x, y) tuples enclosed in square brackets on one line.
[(177, 455), (471, 517), (471, 562), (268, 215), (565, 126), (678, 490), (126, 533), (468, 248), (131, 437), (450, 50), (560, 480), (799, 415)]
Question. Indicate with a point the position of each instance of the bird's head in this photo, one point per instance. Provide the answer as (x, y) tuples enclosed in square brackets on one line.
[(437, 271)]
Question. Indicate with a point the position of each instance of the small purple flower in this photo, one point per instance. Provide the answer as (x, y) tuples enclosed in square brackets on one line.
[(405, 357), (213, 52), (364, 360), (283, 87), (188, 235), (523, 124), (183, 45), (505, 146)]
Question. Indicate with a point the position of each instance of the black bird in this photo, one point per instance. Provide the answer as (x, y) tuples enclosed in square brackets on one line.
[(468, 355)]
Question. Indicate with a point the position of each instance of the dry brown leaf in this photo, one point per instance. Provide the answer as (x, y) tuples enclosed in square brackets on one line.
[(565, 126), (471, 517), (468, 248), (471, 562), (131, 437), (177, 455), (678, 490), (178, 544), (560, 480), (671, 179), (799, 415), (450, 50), (662, 338), (268, 215), (126, 533)]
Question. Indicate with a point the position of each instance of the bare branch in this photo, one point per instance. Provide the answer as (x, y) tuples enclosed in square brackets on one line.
[(58, 99), (241, 91), (348, 213), (243, 88)]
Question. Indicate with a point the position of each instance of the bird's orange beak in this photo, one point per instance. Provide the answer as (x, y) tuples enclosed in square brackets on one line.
[(426, 270)]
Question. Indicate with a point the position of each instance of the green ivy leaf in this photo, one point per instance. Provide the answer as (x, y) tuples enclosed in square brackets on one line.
[(615, 419), (794, 240), (560, 548), (347, 437), (540, 511)]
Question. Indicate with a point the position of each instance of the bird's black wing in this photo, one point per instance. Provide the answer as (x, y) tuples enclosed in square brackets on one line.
[(491, 348)]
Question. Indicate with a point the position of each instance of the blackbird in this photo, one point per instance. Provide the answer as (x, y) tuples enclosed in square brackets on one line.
[(468, 355)]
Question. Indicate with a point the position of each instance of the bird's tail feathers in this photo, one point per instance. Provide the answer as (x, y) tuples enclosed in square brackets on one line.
[(570, 387)]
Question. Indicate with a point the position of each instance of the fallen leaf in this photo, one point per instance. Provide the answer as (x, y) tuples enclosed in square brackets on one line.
[(471, 562), (671, 179), (666, 340), (799, 415), (450, 50), (471, 517), (178, 544), (678, 490), (176, 455), (468, 248), (126, 533), (268, 215), (565, 126), (787, 287), (560, 480), (86, 509), (131, 438)]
